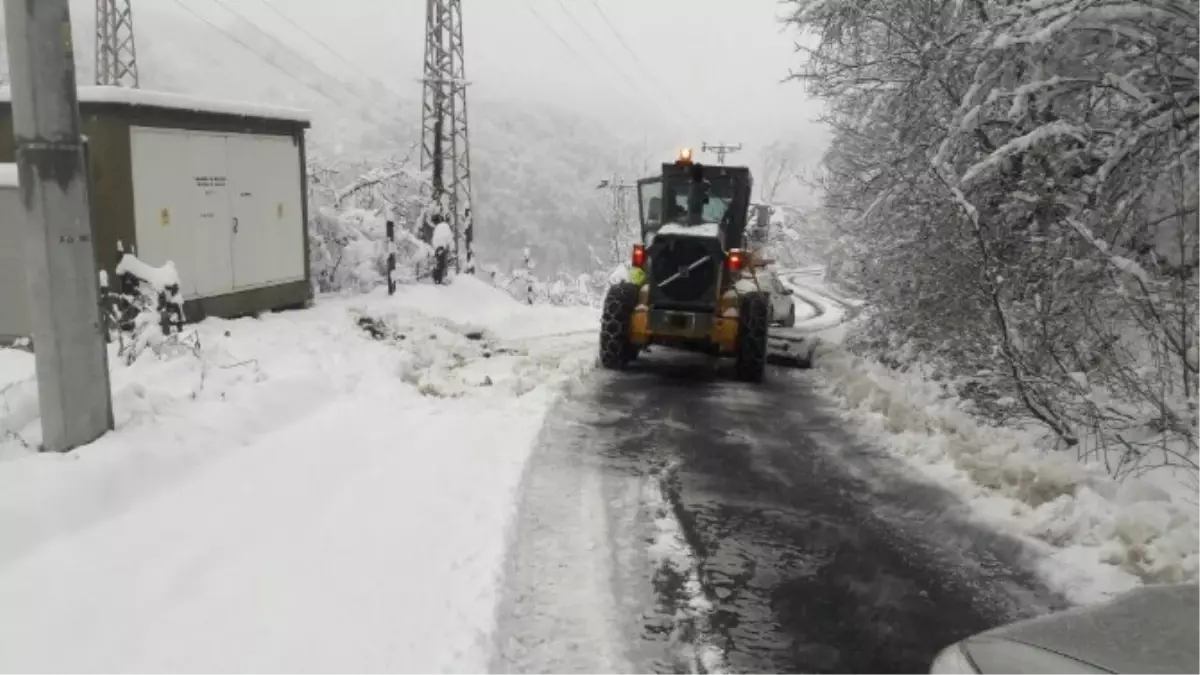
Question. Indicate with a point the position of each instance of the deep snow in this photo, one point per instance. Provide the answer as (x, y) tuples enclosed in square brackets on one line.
[(299, 497), (331, 488)]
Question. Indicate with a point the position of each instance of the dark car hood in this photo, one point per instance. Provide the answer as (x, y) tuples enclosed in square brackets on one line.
[(1155, 629)]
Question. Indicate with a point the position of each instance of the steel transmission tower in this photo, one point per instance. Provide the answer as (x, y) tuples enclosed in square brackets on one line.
[(116, 55), (620, 214), (445, 150)]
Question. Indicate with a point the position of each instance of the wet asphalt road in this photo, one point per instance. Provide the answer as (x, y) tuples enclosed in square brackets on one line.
[(820, 552)]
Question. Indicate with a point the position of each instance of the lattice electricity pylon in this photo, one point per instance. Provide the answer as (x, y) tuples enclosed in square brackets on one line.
[(116, 54), (445, 149)]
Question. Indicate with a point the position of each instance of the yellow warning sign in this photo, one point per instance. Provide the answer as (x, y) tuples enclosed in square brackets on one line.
[(164, 217), (279, 210)]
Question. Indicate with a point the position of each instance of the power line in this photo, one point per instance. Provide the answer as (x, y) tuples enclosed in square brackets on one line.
[(331, 50), (286, 48), (250, 49), (364, 110), (643, 69), (586, 33), (575, 53)]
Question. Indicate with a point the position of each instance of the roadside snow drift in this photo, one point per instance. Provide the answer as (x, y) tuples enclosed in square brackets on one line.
[(317, 490), (1097, 536)]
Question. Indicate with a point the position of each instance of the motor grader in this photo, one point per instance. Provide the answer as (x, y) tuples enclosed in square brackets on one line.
[(692, 282)]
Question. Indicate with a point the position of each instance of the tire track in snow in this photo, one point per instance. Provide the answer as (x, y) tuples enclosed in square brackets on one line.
[(678, 579), (570, 578)]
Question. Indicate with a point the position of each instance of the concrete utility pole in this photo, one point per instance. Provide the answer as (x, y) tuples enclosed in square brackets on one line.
[(116, 53), (721, 149), (619, 213), (445, 150), (68, 336)]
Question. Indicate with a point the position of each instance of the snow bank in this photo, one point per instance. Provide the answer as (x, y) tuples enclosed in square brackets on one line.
[(475, 304), (1098, 537), (315, 490), (15, 365)]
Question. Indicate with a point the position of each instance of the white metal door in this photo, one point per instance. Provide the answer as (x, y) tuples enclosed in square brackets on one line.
[(285, 183), (265, 189), (252, 254), (212, 230), (163, 211)]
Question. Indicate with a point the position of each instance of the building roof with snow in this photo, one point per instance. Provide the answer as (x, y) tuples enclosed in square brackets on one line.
[(127, 96)]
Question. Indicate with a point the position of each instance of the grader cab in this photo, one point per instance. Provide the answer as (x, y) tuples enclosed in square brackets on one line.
[(692, 283)]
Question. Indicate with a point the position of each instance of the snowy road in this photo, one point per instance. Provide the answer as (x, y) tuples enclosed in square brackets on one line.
[(814, 551)]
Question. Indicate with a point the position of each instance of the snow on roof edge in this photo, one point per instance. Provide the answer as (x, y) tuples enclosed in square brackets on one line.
[(163, 99), (8, 175)]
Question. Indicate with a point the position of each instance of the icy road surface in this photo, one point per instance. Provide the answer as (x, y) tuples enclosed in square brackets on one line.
[(676, 520)]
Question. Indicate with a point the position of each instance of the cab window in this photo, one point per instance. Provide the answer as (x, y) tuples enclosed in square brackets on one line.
[(650, 197)]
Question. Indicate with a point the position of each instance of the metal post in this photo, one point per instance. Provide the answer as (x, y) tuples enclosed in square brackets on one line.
[(68, 335), (528, 277), (391, 257)]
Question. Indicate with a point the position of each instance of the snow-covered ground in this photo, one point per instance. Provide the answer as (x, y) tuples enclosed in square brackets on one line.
[(300, 496), (1096, 536)]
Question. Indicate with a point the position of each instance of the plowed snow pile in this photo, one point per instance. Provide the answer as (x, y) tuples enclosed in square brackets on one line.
[(1097, 536), (317, 490)]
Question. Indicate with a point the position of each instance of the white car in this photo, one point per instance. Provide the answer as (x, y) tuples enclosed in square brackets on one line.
[(1152, 629), (783, 307)]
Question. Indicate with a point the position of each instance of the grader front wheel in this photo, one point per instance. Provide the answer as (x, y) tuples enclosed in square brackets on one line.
[(616, 350)]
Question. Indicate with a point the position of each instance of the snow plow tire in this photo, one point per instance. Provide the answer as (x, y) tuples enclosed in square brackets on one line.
[(616, 351), (751, 351)]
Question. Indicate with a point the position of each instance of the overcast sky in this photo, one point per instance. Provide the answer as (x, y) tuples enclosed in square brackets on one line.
[(689, 71), (694, 70)]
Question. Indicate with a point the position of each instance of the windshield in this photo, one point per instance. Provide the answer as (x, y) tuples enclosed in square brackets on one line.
[(720, 195), (666, 202)]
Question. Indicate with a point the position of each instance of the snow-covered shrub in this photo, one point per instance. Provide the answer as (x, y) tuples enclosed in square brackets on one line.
[(348, 251), (146, 311), (565, 290), (1014, 190)]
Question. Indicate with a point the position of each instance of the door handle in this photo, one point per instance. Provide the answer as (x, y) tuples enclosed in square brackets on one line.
[(235, 225)]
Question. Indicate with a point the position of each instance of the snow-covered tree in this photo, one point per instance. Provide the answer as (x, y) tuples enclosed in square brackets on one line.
[(1013, 185), (349, 206)]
